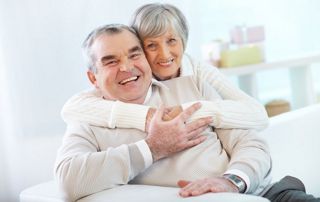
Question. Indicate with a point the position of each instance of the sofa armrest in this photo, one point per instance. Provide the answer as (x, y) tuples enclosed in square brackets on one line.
[(49, 192), (45, 192), (294, 140)]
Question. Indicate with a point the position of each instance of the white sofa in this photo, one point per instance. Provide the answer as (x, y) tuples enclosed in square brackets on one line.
[(294, 141)]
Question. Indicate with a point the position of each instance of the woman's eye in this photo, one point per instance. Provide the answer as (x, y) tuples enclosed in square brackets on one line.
[(172, 41), (151, 46)]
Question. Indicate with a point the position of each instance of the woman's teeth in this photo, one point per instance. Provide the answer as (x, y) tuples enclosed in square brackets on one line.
[(167, 62)]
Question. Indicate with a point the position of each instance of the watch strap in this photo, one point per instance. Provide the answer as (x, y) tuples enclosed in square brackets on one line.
[(237, 181)]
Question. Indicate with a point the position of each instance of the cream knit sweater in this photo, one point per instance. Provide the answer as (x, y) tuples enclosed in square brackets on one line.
[(92, 159), (235, 110)]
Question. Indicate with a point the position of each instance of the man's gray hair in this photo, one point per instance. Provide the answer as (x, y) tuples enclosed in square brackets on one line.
[(153, 20), (109, 29)]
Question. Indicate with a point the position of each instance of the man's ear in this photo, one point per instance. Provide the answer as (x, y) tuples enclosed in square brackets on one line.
[(92, 78)]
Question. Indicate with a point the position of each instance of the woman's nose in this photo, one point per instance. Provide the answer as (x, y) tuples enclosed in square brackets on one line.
[(164, 51)]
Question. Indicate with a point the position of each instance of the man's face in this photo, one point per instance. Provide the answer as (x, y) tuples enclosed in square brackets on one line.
[(123, 71)]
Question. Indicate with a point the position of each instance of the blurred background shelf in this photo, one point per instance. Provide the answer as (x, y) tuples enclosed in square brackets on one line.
[(301, 80)]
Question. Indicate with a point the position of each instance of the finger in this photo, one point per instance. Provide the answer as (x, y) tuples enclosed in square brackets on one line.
[(166, 117), (201, 189), (159, 113), (198, 123), (166, 110), (191, 186), (186, 191), (176, 110), (217, 189), (196, 133), (183, 183), (195, 142), (185, 115)]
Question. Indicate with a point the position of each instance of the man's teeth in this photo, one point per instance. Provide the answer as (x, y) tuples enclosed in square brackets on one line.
[(129, 79)]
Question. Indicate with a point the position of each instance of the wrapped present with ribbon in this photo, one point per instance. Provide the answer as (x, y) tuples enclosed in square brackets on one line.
[(212, 51), (245, 35)]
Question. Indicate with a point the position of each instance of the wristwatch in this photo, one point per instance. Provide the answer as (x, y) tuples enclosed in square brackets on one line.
[(237, 181)]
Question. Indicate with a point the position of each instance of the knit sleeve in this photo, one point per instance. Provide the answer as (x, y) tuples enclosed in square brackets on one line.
[(88, 107), (249, 157), (236, 109), (82, 168)]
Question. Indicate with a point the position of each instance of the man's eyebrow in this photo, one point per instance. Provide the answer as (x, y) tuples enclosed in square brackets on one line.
[(111, 57), (135, 49), (107, 57)]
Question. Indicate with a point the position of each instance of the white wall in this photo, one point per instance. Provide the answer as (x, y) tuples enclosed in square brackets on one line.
[(40, 50)]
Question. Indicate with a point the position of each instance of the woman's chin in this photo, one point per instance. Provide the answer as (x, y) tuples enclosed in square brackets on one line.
[(165, 75)]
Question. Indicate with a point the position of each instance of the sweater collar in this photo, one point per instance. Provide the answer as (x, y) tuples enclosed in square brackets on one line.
[(156, 83)]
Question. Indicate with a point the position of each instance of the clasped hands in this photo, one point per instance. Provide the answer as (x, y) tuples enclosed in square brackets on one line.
[(169, 133)]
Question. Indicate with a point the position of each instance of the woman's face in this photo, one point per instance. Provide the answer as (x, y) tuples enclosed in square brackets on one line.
[(164, 54)]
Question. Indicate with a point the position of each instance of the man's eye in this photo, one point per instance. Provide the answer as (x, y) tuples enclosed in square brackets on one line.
[(135, 56), (110, 63)]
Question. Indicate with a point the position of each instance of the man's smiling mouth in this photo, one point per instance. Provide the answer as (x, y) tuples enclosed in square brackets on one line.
[(125, 81)]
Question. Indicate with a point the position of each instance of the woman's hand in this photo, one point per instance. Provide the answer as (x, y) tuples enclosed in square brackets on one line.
[(169, 114)]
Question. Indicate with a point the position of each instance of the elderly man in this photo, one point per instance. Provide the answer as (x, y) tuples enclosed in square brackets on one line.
[(92, 159)]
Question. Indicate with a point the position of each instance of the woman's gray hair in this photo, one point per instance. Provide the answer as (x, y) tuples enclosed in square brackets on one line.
[(153, 20), (109, 29)]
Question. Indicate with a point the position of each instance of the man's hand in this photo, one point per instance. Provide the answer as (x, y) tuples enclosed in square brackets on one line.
[(199, 187), (169, 137)]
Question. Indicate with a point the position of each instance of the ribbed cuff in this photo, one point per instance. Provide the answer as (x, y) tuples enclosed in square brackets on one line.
[(208, 109), (146, 153), (125, 115)]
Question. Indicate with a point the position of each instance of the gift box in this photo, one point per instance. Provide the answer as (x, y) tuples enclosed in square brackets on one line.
[(244, 35), (212, 51), (247, 54)]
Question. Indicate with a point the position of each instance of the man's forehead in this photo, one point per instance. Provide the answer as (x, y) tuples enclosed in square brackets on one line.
[(123, 36), (124, 41)]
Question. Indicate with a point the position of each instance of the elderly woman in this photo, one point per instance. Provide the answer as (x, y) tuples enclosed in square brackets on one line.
[(163, 31)]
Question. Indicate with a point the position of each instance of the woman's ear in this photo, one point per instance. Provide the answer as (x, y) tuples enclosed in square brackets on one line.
[(92, 78)]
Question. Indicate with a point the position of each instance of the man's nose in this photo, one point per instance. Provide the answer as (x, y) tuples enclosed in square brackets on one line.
[(126, 66)]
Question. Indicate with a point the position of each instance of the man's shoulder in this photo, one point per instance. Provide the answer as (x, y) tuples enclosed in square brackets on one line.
[(76, 127), (85, 94), (85, 128)]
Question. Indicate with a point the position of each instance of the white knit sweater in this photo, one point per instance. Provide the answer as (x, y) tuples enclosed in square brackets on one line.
[(92, 159), (235, 110)]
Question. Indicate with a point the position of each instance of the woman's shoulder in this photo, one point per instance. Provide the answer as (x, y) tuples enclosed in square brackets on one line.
[(192, 66)]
